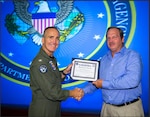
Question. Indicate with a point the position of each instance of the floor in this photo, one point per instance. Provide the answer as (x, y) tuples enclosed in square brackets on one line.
[(7, 111), (11, 111)]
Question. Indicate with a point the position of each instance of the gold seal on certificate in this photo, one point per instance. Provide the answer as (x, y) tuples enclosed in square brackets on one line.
[(85, 70)]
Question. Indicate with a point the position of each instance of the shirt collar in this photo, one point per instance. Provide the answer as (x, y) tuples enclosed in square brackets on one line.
[(122, 51), (45, 55)]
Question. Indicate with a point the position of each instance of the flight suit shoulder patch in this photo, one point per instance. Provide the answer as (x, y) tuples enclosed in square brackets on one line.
[(43, 68)]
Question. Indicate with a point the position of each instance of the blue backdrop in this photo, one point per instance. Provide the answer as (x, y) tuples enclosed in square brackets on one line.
[(82, 27)]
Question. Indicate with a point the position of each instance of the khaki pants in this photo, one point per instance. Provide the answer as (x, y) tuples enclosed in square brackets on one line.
[(132, 110)]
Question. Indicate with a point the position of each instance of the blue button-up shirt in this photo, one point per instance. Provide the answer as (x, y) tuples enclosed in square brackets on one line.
[(121, 77)]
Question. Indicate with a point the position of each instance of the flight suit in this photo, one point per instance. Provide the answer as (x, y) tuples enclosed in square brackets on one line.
[(45, 83)]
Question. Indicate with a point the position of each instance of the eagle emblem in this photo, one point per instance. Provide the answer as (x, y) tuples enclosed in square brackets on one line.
[(29, 22)]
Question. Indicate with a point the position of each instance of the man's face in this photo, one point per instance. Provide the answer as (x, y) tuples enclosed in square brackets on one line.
[(50, 41), (114, 40)]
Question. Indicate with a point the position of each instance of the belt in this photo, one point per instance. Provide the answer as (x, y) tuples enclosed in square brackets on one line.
[(126, 103)]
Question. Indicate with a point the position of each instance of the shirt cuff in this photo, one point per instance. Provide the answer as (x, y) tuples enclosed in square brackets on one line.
[(105, 84)]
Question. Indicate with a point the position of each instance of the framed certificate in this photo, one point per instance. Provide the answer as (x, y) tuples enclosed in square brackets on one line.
[(85, 70)]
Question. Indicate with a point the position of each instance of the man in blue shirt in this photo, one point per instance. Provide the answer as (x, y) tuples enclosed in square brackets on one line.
[(119, 78)]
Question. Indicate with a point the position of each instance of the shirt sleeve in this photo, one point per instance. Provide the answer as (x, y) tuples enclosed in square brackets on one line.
[(89, 88), (130, 78)]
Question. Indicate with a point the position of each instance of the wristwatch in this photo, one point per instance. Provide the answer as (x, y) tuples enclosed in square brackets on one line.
[(63, 73)]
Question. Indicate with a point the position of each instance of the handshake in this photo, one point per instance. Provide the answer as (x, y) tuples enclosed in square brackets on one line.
[(76, 93)]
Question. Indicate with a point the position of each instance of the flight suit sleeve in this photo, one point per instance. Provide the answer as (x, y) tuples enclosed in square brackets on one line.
[(47, 82)]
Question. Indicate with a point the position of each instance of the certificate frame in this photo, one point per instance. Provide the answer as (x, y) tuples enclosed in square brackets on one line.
[(86, 70)]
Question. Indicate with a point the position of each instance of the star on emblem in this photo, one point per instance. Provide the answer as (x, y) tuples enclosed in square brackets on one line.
[(80, 55), (100, 15)]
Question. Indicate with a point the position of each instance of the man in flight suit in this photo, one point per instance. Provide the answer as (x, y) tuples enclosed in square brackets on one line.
[(45, 79)]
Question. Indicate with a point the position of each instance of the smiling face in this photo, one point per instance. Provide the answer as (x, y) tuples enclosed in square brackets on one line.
[(114, 40), (50, 41)]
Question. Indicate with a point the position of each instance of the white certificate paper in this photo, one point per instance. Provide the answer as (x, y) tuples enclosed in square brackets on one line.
[(85, 70)]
